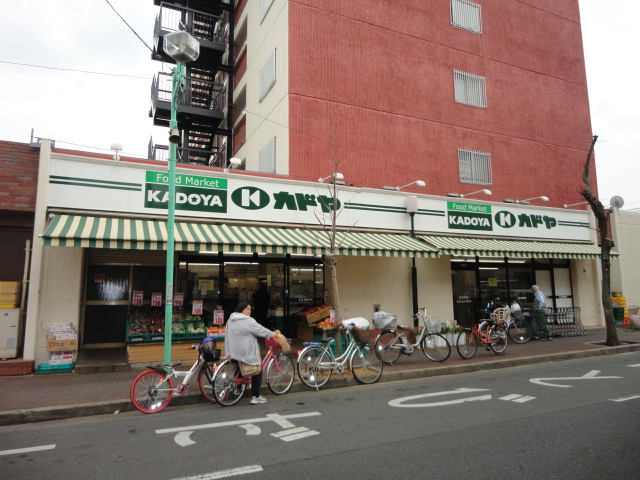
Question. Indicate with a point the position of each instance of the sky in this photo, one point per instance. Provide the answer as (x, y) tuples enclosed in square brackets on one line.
[(47, 45)]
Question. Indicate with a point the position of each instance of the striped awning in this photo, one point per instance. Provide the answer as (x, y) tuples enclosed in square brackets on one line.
[(489, 247), (129, 233)]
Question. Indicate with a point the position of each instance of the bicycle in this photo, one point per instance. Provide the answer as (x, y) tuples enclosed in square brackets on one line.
[(390, 344), (152, 390), (490, 333), (229, 385), (518, 328), (317, 362)]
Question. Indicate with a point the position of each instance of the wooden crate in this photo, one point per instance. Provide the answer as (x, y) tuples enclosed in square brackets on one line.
[(153, 353)]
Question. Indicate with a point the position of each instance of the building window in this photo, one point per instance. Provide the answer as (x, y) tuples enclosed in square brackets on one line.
[(475, 167), (265, 5), (267, 157), (268, 75), (469, 89), (466, 15)]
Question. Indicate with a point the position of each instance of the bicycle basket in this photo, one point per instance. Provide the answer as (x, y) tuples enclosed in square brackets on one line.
[(209, 351), (383, 320), (360, 334), (433, 323)]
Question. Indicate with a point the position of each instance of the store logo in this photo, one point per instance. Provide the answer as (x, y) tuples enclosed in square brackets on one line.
[(250, 198), (505, 219), (469, 216), (187, 198)]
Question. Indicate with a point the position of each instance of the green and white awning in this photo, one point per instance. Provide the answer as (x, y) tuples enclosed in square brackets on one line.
[(129, 233), (488, 247)]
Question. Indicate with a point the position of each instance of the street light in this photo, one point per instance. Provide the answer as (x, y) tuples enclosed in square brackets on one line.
[(412, 209), (336, 177), (183, 48)]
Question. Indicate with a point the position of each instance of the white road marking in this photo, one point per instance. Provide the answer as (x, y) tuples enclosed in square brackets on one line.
[(592, 375), (636, 365), (517, 398), (232, 472), (251, 429), (183, 439), (17, 451), (295, 434), (625, 399), (269, 418), (400, 402)]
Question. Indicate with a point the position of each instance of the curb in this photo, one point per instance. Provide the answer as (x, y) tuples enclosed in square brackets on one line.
[(43, 414)]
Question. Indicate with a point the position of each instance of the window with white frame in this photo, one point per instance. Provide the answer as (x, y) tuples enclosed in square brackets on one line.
[(469, 89), (267, 76), (475, 167), (466, 15), (267, 157), (265, 5)]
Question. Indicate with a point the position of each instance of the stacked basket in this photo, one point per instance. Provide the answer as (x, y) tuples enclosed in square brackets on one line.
[(10, 294)]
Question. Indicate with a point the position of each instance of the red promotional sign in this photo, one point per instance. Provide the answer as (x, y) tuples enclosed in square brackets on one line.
[(178, 299), (197, 307), (138, 297), (156, 299)]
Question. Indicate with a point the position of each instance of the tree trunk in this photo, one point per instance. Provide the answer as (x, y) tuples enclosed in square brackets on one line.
[(606, 244)]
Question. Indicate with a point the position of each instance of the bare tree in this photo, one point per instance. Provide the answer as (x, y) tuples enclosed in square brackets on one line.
[(606, 244)]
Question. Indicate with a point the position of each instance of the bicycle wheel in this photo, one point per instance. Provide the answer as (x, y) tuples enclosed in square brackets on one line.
[(498, 338), (467, 344), (280, 374), (365, 365), (519, 331), (151, 391), (205, 382), (310, 370), (388, 347), (435, 347), (226, 390)]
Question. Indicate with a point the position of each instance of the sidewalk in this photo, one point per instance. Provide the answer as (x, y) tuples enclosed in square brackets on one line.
[(34, 398)]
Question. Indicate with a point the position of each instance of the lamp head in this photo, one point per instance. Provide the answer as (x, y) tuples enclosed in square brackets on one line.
[(181, 46), (174, 136)]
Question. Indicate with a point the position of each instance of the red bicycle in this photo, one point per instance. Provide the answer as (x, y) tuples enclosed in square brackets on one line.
[(229, 384)]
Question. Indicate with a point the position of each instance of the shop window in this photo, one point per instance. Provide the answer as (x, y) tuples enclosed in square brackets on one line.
[(474, 167), (470, 89), (466, 15)]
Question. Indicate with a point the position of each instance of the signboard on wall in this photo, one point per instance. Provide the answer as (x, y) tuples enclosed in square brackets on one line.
[(126, 188)]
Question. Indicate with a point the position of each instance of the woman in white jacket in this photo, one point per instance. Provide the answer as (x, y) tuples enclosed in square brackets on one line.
[(241, 344)]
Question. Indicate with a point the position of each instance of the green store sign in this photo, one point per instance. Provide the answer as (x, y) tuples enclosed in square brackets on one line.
[(469, 216)]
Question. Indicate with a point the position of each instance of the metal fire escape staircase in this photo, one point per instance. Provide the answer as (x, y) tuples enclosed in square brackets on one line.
[(203, 102)]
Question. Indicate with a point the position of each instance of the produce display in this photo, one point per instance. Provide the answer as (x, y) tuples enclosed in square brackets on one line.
[(146, 325)]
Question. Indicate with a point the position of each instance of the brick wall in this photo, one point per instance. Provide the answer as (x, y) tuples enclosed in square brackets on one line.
[(18, 176)]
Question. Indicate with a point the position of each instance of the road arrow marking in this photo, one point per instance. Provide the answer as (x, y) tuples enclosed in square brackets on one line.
[(251, 429), (400, 402), (517, 398), (183, 439), (592, 375)]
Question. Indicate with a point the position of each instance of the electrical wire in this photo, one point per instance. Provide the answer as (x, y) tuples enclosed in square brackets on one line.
[(73, 70), (125, 22)]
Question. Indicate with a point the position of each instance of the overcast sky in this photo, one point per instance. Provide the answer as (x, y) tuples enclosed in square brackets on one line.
[(89, 111)]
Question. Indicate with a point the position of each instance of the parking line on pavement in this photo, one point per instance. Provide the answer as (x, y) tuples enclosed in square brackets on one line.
[(17, 451)]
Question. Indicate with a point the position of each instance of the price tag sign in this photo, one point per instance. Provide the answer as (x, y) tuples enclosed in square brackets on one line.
[(156, 299), (138, 296), (218, 317), (197, 307), (332, 317), (178, 299)]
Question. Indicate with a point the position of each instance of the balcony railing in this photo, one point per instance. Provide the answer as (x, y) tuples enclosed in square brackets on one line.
[(185, 155), (197, 96)]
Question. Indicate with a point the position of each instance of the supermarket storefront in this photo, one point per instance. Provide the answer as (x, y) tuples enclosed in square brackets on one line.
[(101, 225)]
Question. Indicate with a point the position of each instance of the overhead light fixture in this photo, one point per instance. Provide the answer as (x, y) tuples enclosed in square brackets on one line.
[(419, 183), (463, 195), (233, 163), (336, 177), (116, 147), (573, 204), (526, 201)]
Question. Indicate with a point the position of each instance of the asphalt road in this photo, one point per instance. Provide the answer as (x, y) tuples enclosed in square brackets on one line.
[(578, 419)]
